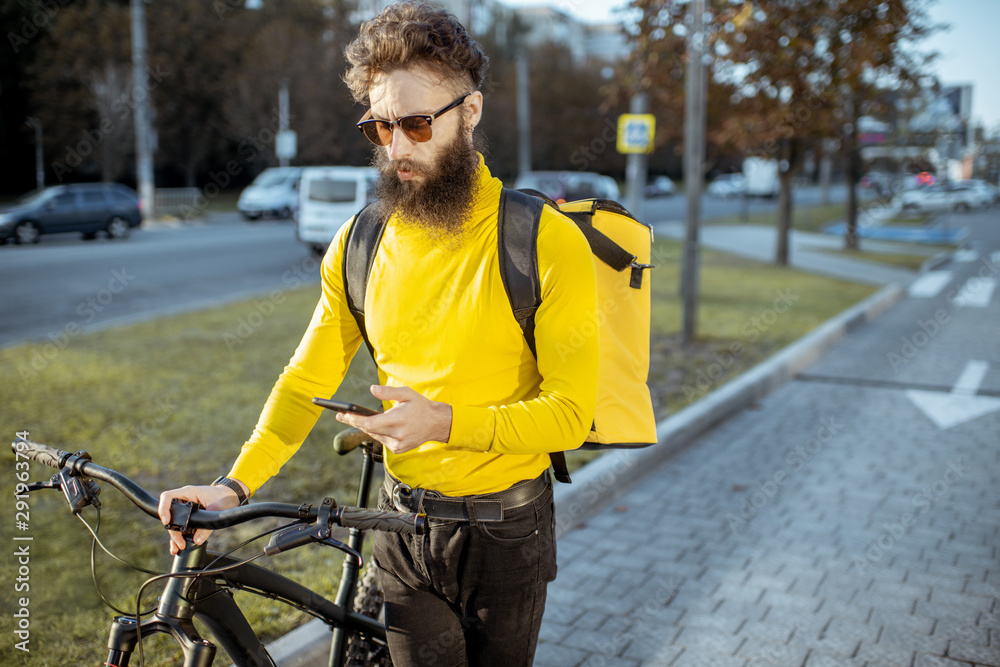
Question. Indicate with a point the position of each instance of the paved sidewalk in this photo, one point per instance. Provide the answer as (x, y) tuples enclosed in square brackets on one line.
[(851, 519), (807, 251)]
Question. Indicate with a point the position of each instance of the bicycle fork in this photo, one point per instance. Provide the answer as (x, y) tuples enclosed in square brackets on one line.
[(173, 617)]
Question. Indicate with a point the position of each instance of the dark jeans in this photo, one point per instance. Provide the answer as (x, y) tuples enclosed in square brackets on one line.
[(466, 594)]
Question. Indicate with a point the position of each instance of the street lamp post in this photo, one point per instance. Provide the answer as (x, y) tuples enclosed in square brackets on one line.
[(140, 93), (39, 157), (694, 157)]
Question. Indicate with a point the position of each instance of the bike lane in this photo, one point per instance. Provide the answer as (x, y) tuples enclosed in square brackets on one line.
[(852, 518)]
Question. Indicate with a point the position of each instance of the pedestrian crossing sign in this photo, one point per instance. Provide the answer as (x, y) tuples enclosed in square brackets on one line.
[(636, 132)]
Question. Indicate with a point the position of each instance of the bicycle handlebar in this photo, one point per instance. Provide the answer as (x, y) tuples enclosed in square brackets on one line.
[(348, 517)]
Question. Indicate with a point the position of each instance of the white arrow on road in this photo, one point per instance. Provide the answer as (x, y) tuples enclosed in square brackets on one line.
[(962, 404)]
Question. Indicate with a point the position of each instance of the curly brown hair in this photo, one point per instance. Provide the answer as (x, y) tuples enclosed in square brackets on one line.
[(409, 33)]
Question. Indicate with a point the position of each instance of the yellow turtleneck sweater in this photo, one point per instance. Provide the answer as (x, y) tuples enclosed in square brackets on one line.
[(440, 322)]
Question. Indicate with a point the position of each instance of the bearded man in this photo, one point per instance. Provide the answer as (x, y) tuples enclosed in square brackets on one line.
[(470, 413)]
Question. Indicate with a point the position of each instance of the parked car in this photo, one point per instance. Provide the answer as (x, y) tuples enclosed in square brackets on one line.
[(275, 192), (88, 208), (950, 197), (661, 186), (989, 192), (727, 185), (561, 186), (328, 197)]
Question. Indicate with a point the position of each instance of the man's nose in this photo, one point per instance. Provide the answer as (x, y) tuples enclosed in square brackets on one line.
[(400, 147)]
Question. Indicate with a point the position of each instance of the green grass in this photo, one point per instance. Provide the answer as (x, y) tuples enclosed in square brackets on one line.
[(168, 402), (806, 218)]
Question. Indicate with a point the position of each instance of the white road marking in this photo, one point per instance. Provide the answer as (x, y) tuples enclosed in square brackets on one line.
[(930, 284), (961, 405), (975, 293)]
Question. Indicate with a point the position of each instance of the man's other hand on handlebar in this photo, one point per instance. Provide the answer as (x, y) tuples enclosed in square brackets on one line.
[(214, 498)]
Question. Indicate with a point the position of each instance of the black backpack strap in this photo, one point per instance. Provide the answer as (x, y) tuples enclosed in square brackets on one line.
[(517, 241), (359, 254), (601, 245)]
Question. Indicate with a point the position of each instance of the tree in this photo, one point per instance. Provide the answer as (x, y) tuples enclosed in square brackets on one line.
[(80, 85), (658, 33), (833, 60)]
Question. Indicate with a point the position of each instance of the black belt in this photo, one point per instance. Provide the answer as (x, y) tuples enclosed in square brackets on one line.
[(484, 507)]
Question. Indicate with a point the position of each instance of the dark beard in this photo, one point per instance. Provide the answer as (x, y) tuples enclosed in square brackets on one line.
[(440, 204)]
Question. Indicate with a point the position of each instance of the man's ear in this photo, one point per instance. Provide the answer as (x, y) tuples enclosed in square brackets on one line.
[(474, 104)]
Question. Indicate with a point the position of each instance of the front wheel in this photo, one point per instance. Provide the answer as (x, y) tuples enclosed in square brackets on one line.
[(362, 651), (27, 233), (117, 228)]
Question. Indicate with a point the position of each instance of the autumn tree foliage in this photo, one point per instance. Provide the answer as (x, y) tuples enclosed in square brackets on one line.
[(784, 75)]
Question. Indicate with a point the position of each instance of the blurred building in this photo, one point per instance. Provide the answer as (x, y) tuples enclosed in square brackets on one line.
[(933, 128)]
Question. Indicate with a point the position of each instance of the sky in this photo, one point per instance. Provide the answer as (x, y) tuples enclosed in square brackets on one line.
[(969, 50)]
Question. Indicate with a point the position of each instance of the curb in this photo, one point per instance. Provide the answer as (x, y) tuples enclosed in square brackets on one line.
[(612, 475)]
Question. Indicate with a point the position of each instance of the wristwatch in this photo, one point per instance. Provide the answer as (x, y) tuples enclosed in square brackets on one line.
[(234, 485)]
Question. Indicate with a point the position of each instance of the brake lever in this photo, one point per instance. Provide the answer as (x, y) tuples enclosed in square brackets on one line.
[(37, 486), (297, 536)]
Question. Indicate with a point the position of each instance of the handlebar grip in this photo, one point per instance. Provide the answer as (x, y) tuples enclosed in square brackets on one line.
[(393, 522), (36, 451)]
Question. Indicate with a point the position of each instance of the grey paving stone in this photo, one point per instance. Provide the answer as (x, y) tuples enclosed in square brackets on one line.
[(965, 632), (925, 660), (702, 658), (551, 631), (918, 642), (887, 602), (778, 653), (982, 655), (882, 653), (909, 622), (708, 640), (590, 620), (947, 612), (847, 629), (609, 661), (823, 659), (952, 583), (962, 600), (901, 589), (548, 654), (650, 650), (594, 642), (766, 631), (791, 602)]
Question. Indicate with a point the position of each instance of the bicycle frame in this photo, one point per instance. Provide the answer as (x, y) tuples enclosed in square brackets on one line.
[(185, 598), (199, 582)]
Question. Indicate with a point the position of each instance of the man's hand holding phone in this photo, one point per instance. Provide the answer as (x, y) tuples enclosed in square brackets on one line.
[(412, 421)]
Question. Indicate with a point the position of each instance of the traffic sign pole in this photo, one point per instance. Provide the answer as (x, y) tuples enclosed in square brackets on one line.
[(635, 169)]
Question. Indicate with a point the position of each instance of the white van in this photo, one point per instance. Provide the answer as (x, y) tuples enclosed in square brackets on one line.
[(274, 192), (328, 197)]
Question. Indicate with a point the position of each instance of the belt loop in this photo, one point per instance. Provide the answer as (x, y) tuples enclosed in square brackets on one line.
[(470, 508), (418, 499)]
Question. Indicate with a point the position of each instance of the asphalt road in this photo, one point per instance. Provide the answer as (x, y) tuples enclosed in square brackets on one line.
[(64, 286)]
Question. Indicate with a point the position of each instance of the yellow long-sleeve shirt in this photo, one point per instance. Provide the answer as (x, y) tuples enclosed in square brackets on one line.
[(441, 323)]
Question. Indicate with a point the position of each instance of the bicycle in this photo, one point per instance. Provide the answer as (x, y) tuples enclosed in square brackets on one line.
[(199, 583)]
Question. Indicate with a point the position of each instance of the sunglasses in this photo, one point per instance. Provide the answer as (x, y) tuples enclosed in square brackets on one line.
[(416, 128)]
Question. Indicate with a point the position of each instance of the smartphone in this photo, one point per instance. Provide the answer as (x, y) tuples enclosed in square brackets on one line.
[(341, 406)]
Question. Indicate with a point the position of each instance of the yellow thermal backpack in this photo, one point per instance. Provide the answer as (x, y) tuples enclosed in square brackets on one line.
[(621, 246)]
